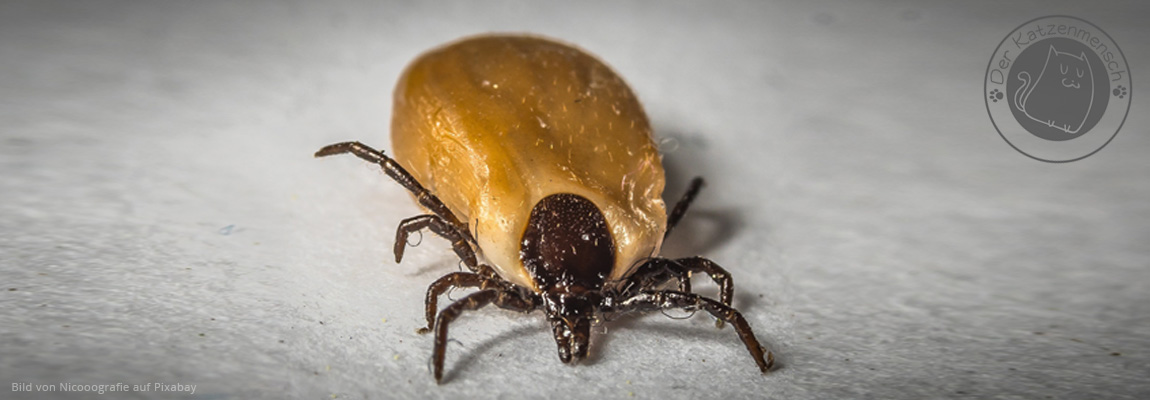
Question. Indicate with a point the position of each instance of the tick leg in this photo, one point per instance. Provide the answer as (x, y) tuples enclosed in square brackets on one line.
[(717, 274), (451, 281), (681, 207), (654, 273), (444, 229), (502, 298), (658, 271), (396, 172), (666, 299)]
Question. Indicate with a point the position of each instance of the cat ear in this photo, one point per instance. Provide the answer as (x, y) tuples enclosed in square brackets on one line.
[(1053, 51)]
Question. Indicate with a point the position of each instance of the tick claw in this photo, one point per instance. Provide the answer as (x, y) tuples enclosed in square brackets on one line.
[(400, 246)]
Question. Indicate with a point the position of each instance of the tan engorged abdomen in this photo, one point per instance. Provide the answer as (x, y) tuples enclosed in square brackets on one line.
[(493, 124)]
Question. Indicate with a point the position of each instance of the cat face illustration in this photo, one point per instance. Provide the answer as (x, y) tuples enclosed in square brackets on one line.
[(1062, 95), (1068, 79)]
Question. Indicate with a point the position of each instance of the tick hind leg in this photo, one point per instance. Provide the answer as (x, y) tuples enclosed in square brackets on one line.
[(503, 299), (664, 300), (681, 207), (396, 172)]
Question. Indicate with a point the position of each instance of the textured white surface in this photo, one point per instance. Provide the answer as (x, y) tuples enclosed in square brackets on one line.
[(163, 221)]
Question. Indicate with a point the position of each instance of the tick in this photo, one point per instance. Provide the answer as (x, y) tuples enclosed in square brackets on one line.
[(535, 160)]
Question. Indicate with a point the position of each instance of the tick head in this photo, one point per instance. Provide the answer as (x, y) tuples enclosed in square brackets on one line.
[(569, 252)]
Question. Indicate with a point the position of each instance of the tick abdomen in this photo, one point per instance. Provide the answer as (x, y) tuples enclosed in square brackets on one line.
[(494, 124)]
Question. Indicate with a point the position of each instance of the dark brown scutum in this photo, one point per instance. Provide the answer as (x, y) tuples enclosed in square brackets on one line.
[(567, 244)]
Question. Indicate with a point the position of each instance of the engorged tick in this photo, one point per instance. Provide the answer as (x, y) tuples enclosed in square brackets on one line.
[(547, 152)]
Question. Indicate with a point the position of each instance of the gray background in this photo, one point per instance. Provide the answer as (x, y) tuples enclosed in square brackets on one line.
[(163, 220)]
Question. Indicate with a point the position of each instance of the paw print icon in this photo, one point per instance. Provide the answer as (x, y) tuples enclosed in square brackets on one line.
[(1120, 92), (996, 95)]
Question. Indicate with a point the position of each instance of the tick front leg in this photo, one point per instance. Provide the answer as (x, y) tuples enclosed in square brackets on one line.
[(502, 298), (717, 274), (396, 172), (451, 281), (657, 271), (664, 300), (444, 229)]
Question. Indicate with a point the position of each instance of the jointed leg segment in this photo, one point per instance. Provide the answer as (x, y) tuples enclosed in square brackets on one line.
[(443, 222), (681, 207), (502, 299), (443, 228), (717, 274), (658, 271), (396, 172), (451, 281), (663, 300)]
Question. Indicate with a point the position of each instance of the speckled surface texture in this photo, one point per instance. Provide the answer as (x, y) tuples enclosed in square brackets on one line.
[(163, 221)]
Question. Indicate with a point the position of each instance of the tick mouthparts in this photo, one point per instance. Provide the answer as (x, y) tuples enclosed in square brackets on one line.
[(580, 340)]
